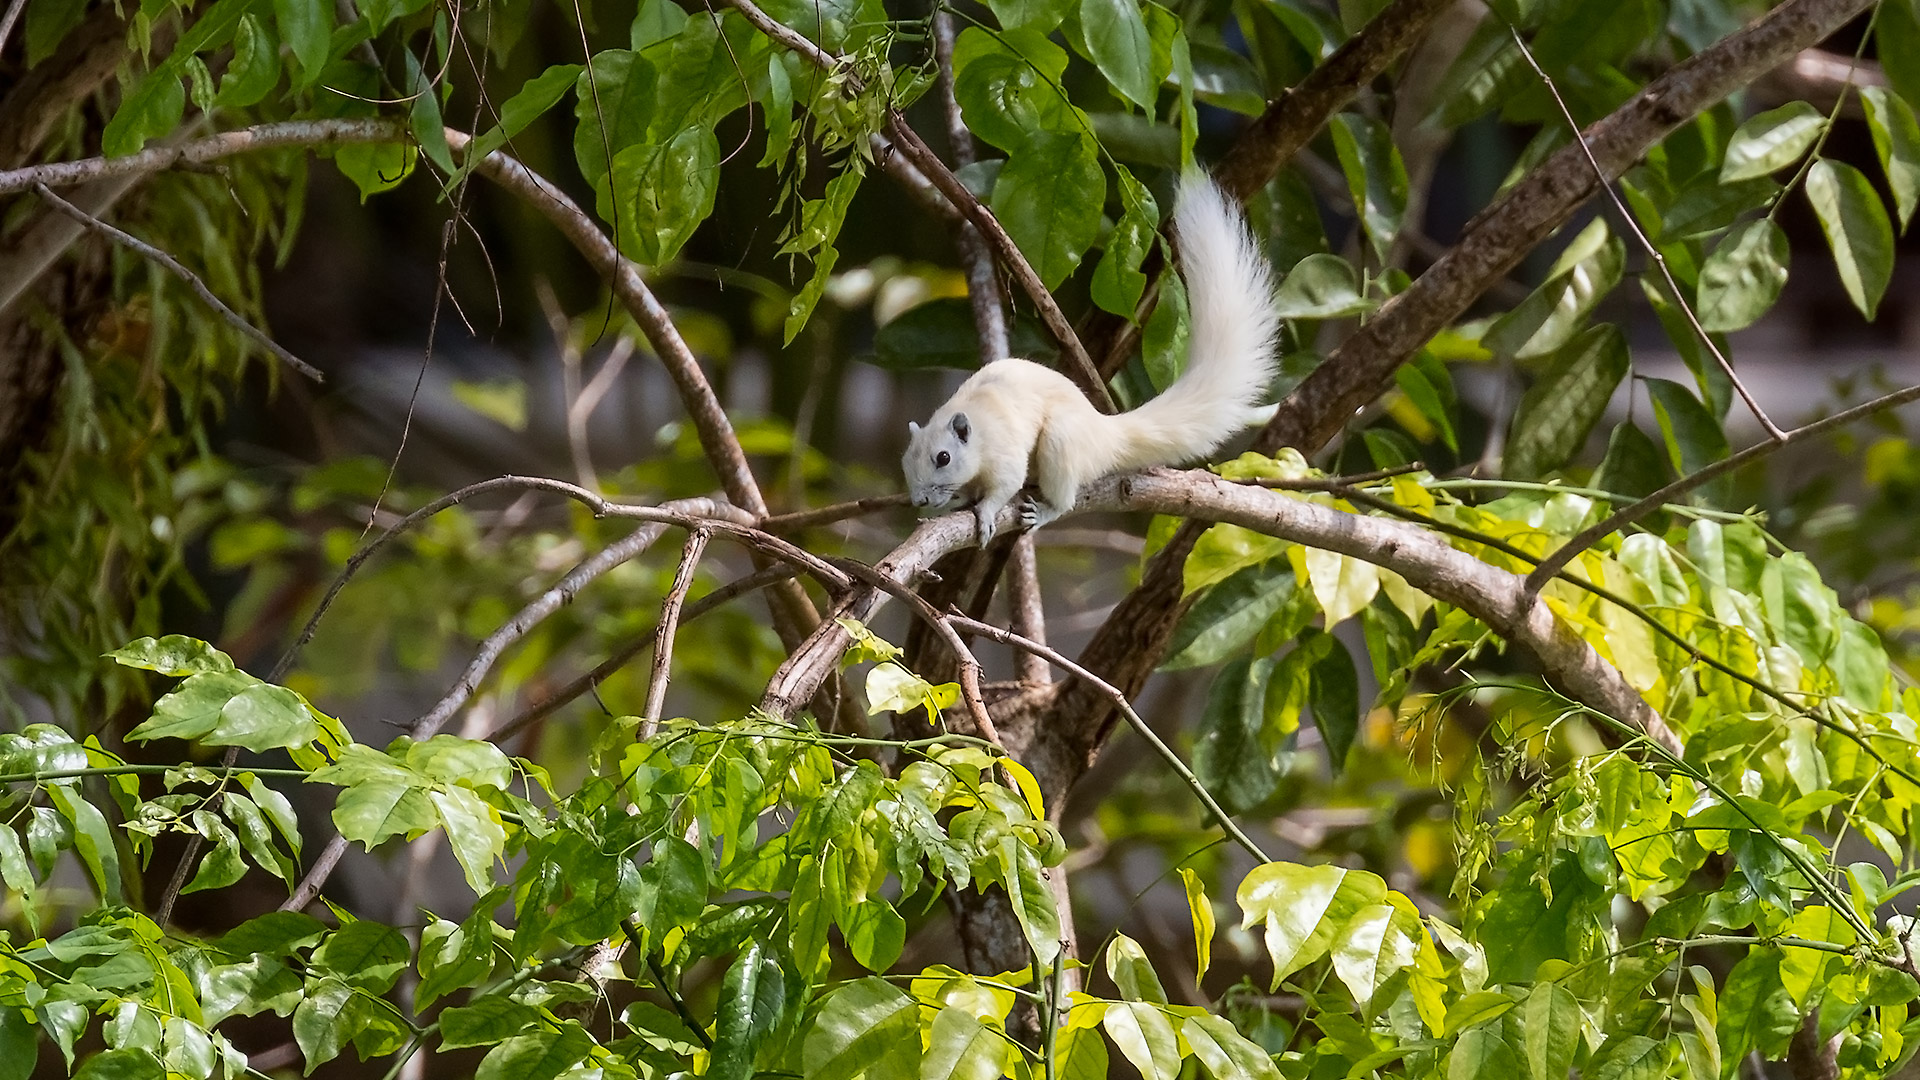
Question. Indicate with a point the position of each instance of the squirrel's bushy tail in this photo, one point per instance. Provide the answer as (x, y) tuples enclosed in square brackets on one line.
[(1233, 326)]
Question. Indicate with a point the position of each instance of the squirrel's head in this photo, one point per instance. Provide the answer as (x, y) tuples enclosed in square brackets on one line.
[(939, 461)]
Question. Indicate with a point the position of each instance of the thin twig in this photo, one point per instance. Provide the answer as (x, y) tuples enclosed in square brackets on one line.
[(1140, 727), (827, 515), (173, 266), (1646, 244), (969, 665), (6, 21), (669, 625), (1331, 483), (625, 653), (1627, 515)]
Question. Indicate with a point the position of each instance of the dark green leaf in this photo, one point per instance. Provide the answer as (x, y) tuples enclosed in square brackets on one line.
[(129, 1064), (221, 865), (1558, 412), (19, 1045), (1633, 466), (1481, 1054), (1629, 1057), (1117, 281), (1230, 614), (1744, 275), (1694, 439), (254, 69), (1706, 205), (1522, 929), (1488, 70), (1231, 753), (1010, 97), (1552, 1019), (1553, 314), (1376, 177), (1857, 229), (1039, 16), (1048, 197), (752, 1001), (666, 191), (326, 1021), (1334, 696), (1164, 340), (654, 20), (92, 840), (940, 333), (48, 23)]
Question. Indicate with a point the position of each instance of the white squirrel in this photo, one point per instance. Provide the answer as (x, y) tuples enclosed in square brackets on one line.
[(1014, 418)]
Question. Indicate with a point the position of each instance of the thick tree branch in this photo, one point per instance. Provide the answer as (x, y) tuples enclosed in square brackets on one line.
[(1503, 234), (1495, 596)]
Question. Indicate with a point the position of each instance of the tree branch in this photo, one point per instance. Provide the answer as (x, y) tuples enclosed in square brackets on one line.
[(173, 266), (1495, 241), (670, 625)]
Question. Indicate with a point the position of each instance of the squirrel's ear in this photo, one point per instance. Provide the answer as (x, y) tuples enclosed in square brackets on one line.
[(961, 428), (912, 428)]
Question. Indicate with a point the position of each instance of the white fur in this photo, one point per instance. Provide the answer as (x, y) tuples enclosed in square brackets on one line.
[(1017, 418)]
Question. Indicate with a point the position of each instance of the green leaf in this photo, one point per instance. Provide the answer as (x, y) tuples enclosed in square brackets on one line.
[(193, 709), (1039, 16), (1233, 755), (1226, 1054), (1302, 908), (373, 811), (222, 866), (129, 1064), (326, 1021), (534, 98), (19, 1044), (1694, 439), (474, 832), (1033, 904), (1200, 913), (1560, 409), (92, 840), (366, 955), (1321, 286), (1552, 1024), (1857, 229), (960, 1047), (860, 1026), (1553, 314), (665, 190), (1488, 69), (539, 1056), (655, 20), (820, 221), (1228, 616), (1118, 282), (1145, 1037), (1334, 696), (255, 68), (1632, 466), (1132, 973), (1629, 1057), (1376, 177), (1048, 197), (307, 29), (1009, 97), (174, 654), (48, 23), (1521, 929), (1706, 205), (941, 333), (875, 933), (753, 997), (1481, 1054), (1376, 944), (1743, 277), (1082, 1054), (1165, 339), (1896, 138), (1771, 141), (264, 717), (1756, 1011), (152, 109), (487, 1021), (255, 836), (1117, 39)]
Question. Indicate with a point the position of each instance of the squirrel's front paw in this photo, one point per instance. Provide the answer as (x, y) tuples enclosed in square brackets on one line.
[(1034, 513)]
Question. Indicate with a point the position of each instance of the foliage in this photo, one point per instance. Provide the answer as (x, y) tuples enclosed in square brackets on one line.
[(1586, 898)]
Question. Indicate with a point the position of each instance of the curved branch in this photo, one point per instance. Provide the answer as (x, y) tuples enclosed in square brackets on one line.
[(1503, 234), (1492, 595)]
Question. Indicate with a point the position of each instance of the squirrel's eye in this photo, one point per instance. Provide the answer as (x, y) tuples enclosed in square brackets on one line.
[(941, 459)]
